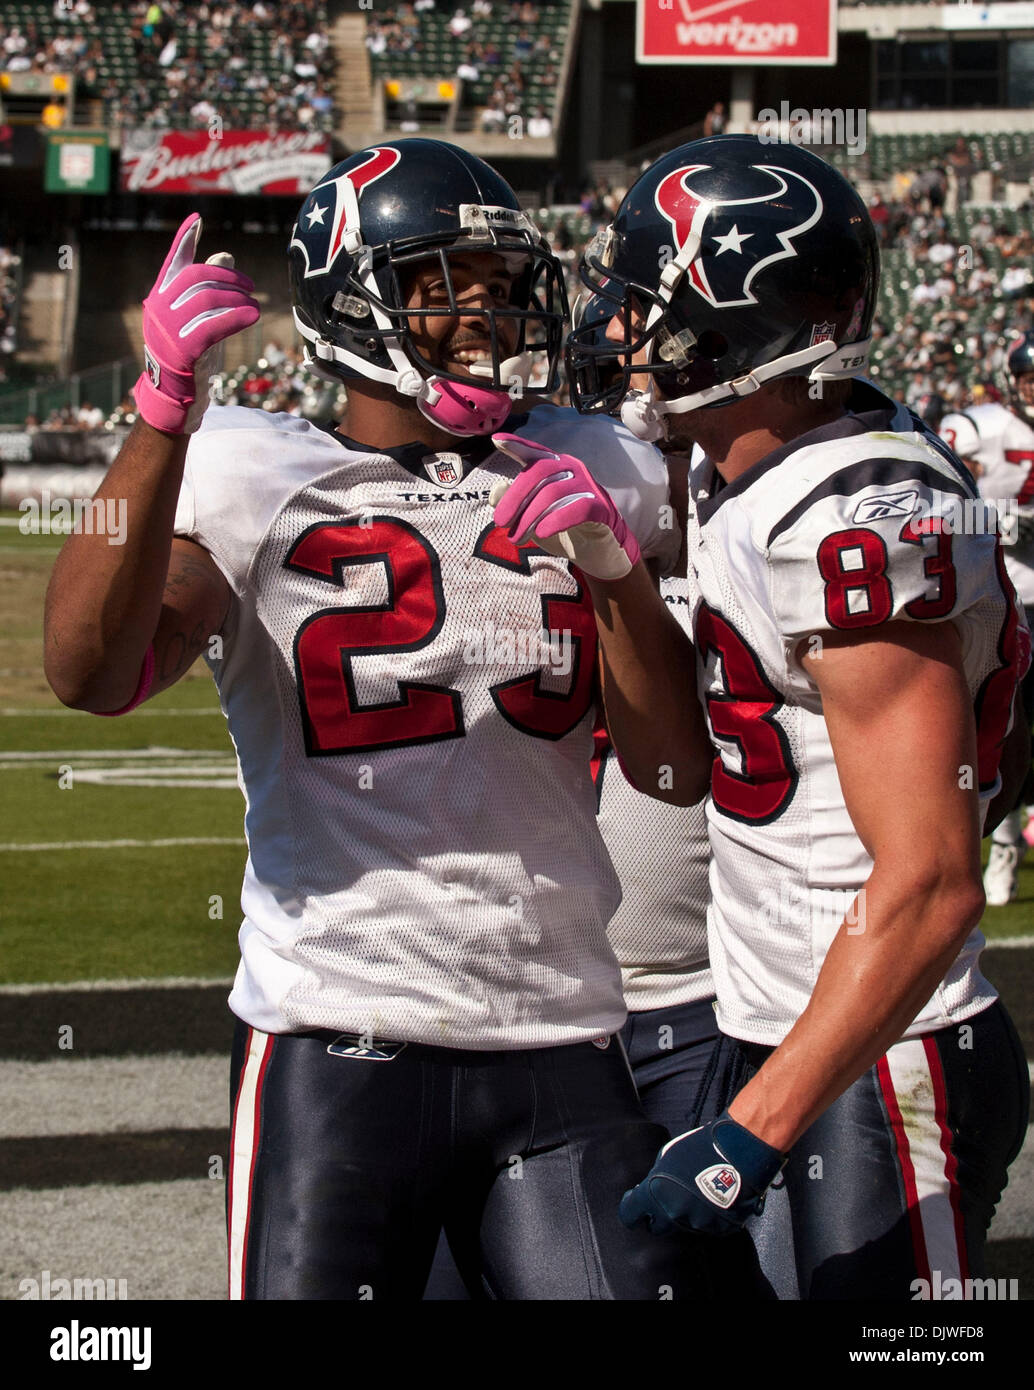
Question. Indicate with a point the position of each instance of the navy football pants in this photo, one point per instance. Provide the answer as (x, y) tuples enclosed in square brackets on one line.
[(345, 1169), (899, 1178)]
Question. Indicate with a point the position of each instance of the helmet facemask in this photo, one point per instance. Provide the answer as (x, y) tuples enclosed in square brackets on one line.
[(371, 331)]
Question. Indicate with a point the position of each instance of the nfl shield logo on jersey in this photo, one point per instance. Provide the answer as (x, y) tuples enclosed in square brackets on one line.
[(720, 1184), (445, 469)]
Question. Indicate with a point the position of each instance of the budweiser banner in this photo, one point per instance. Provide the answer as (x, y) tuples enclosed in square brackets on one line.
[(287, 162), (768, 32)]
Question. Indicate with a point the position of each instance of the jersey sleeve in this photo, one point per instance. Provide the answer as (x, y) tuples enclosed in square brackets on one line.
[(240, 466), (632, 471), (896, 544), (961, 435)]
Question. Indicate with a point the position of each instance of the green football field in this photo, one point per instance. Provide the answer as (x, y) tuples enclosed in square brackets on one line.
[(96, 894), (121, 842)]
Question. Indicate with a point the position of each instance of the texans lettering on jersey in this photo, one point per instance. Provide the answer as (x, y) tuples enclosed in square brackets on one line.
[(842, 530), (1002, 444), (410, 697)]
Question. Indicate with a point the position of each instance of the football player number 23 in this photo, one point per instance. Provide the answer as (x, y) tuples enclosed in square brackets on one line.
[(412, 617)]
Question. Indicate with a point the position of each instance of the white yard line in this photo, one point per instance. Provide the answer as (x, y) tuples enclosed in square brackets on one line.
[(137, 713), (103, 754), (100, 986), (15, 848)]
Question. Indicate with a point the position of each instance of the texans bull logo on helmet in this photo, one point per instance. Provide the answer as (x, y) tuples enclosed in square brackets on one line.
[(331, 212), (720, 259)]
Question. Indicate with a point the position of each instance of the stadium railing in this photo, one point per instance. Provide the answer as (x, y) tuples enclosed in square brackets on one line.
[(105, 387)]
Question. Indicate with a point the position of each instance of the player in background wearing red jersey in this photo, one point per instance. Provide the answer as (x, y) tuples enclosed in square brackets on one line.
[(426, 1000), (997, 442), (845, 630)]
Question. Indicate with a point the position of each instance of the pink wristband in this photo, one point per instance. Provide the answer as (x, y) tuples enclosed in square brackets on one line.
[(142, 689)]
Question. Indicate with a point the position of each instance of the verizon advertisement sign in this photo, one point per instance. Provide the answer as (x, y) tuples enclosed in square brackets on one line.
[(238, 161), (736, 31)]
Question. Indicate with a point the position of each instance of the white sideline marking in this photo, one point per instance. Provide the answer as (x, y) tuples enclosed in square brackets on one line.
[(136, 767), (104, 754), (60, 528), (1017, 943), (155, 777), (94, 986), (137, 713), (15, 848)]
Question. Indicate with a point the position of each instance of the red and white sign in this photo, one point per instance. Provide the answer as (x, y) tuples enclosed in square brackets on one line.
[(736, 31), (237, 161)]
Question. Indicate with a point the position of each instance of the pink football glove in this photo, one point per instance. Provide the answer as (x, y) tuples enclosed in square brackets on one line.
[(558, 503), (188, 313)]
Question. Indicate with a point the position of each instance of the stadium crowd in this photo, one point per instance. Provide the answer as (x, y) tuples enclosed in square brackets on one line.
[(399, 31), (948, 311), (191, 62)]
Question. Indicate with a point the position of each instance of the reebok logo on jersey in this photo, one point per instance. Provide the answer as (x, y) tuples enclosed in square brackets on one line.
[(357, 1048), (720, 1184), (887, 504)]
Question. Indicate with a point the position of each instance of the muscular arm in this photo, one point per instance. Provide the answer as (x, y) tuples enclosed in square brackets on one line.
[(653, 714), (901, 723), (107, 603)]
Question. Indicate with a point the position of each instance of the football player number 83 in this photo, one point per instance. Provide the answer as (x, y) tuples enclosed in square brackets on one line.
[(853, 564), (327, 643)]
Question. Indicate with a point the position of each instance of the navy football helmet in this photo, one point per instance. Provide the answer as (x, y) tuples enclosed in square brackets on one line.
[(1019, 367), (732, 261), (386, 209)]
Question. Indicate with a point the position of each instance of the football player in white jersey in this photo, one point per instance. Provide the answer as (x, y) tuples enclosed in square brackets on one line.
[(851, 612), (998, 444), (427, 1000)]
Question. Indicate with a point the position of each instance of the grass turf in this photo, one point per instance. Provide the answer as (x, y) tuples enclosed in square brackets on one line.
[(79, 914)]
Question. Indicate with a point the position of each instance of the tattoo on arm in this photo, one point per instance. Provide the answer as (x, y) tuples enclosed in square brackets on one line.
[(188, 584), (180, 652), (185, 571)]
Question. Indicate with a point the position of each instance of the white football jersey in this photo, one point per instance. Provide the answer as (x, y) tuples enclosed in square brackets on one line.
[(661, 855), (853, 525), (1003, 445), (411, 701)]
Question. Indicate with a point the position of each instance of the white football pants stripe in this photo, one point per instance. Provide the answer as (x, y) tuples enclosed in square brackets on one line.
[(243, 1147), (913, 1087)]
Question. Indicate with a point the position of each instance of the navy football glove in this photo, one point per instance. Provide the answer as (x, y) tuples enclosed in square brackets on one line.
[(709, 1180)]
